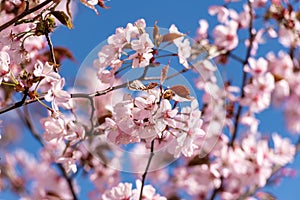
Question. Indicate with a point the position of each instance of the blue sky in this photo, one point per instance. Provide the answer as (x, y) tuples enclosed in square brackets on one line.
[(90, 29)]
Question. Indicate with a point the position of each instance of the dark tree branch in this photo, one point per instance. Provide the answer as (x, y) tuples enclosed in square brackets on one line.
[(76, 95), (240, 107), (23, 14), (235, 57), (147, 168), (248, 54), (52, 55), (28, 122), (216, 191)]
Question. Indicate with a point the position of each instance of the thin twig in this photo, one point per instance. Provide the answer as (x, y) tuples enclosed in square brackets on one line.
[(235, 57), (23, 14), (92, 103), (168, 77), (52, 55), (19, 104), (76, 95), (216, 191), (69, 181), (147, 168)]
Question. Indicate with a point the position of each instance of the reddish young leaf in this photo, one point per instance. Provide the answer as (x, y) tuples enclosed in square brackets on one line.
[(181, 91), (164, 73), (60, 53), (102, 4), (169, 37), (156, 35)]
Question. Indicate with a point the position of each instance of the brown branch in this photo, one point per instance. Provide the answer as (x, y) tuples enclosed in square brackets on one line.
[(168, 77), (28, 122), (23, 14), (19, 104), (52, 55), (235, 57), (147, 168), (240, 107), (76, 95), (216, 191), (248, 53)]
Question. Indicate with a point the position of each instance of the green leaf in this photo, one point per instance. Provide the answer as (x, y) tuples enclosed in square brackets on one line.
[(63, 18)]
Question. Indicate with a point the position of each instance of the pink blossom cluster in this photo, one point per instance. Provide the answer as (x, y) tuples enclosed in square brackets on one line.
[(134, 45), (258, 92), (125, 191), (60, 128), (24, 56), (234, 169), (21, 51), (271, 79), (52, 84), (129, 37), (150, 117), (43, 187), (286, 91), (219, 158)]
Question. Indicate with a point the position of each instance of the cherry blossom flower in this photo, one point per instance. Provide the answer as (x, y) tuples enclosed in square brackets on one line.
[(189, 123), (45, 70), (149, 192), (259, 3), (281, 92), (284, 151), (68, 160), (54, 128), (226, 35), (48, 75), (143, 47), (42, 185), (197, 180), (281, 65), (258, 93), (106, 56), (121, 191), (287, 37), (57, 96), (106, 76), (202, 30), (4, 62), (244, 17), (184, 52), (102, 174), (183, 45), (249, 120), (221, 11), (256, 67)]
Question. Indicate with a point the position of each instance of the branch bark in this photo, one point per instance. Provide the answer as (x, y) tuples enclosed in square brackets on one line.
[(23, 14), (28, 122), (147, 168), (248, 54)]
